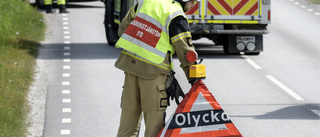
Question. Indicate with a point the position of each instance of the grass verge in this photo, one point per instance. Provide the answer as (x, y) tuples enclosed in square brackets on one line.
[(21, 29), (316, 1)]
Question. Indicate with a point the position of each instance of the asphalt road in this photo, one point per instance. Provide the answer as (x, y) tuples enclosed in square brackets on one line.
[(274, 94)]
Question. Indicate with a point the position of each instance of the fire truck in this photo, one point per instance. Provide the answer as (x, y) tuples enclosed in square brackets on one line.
[(237, 25)]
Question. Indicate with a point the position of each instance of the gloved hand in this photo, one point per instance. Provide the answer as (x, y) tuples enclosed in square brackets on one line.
[(173, 88), (192, 81)]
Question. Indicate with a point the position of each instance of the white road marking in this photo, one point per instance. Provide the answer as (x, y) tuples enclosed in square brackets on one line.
[(66, 100), (65, 132), (66, 92), (251, 62), (66, 54), (66, 110), (66, 60), (304, 6), (285, 88), (317, 112), (65, 75), (67, 42), (66, 67), (66, 120), (66, 32), (67, 48), (65, 83)]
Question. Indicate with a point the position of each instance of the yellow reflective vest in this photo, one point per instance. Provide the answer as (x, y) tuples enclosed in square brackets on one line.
[(147, 36)]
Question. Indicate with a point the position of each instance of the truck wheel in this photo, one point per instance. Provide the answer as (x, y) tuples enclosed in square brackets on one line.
[(111, 28)]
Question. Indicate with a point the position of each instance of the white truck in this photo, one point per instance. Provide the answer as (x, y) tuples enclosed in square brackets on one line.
[(238, 25)]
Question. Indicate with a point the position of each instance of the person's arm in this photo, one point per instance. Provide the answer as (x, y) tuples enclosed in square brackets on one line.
[(127, 20), (182, 41)]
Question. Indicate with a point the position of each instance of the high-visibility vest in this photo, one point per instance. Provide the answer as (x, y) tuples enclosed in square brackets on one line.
[(147, 36)]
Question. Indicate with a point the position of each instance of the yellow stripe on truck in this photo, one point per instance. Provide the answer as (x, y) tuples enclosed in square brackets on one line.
[(232, 21), (216, 21), (249, 22), (203, 9), (191, 21), (260, 7)]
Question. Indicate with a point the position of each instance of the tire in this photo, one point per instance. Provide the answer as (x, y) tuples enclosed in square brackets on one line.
[(111, 28)]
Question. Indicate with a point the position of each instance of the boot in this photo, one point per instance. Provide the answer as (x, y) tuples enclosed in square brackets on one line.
[(63, 9), (48, 9)]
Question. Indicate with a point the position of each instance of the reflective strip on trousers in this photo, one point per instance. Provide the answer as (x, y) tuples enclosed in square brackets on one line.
[(47, 2), (61, 2)]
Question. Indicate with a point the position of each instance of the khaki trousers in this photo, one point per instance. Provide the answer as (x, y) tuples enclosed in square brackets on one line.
[(147, 96)]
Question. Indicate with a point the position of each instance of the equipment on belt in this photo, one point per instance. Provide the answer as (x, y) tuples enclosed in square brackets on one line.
[(198, 70)]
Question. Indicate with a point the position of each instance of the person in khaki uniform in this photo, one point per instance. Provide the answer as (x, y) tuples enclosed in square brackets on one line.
[(144, 86)]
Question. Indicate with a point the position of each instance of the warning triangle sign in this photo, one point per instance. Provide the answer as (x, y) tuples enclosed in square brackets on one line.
[(199, 115)]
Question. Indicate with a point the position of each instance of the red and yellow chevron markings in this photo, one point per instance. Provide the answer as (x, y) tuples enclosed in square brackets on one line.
[(233, 7), (229, 7)]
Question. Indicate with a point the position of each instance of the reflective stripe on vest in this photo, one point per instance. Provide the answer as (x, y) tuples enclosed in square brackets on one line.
[(162, 65), (148, 37), (59, 2)]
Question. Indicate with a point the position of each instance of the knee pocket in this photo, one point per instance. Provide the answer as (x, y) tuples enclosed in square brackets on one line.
[(162, 97)]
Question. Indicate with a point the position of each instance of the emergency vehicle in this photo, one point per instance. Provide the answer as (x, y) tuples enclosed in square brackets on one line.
[(237, 25)]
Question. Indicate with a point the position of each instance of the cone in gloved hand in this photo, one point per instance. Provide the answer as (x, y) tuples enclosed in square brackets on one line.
[(173, 88)]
